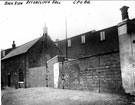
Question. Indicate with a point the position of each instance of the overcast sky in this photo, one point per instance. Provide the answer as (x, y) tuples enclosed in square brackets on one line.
[(25, 23)]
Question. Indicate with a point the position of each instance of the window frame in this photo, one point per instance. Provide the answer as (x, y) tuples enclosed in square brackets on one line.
[(83, 39), (102, 36), (69, 43)]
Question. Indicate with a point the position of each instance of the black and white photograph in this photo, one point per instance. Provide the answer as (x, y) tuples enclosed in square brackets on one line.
[(67, 52)]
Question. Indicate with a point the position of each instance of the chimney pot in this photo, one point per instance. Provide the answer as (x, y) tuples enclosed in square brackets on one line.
[(124, 12), (13, 45), (45, 29)]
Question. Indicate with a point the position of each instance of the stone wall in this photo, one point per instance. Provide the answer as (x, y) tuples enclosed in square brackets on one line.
[(38, 54), (36, 77), (99, 73), (11, 68), (42, 76)]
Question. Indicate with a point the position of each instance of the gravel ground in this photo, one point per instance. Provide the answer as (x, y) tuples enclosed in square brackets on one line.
[(50, 96)]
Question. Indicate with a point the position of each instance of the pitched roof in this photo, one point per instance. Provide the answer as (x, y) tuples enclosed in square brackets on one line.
[(21, 49), (5, 52)]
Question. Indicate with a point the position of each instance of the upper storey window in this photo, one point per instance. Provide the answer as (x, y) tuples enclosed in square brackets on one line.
[(69, 42), (83, 39), (102, 35), (3, 53)]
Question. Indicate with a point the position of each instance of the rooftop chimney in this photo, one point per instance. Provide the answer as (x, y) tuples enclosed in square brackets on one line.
[(13, 45), (45, 29), (45, 34), (124, 12)]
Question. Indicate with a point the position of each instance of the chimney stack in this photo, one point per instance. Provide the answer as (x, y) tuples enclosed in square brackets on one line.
[(124, 12), (13, 45), (45, 34), (45, 30)]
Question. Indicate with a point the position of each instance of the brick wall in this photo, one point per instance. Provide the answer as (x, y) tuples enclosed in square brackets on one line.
[(98, 73)]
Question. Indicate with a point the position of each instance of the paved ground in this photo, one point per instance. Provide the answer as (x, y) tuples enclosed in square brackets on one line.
[(50, 96)]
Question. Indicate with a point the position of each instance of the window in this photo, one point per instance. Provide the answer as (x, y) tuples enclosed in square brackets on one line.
[(83, 39), (21, 76), (3, 53), (69, 43), (102, 35)]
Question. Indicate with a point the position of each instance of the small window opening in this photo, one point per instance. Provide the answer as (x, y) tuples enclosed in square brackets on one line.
[(3, 53), (69, 43), (83, 39), (102, 35), (134, 41)]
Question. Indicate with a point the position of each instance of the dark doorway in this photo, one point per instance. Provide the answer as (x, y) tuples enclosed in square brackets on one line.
[(46, 80), (9, 80), (21, 75)]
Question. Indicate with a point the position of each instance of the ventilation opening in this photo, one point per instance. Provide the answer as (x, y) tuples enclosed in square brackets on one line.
[(134, 41)]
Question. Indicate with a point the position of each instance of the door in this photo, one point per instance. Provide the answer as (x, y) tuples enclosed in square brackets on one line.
[(9, 80), (56, 74)]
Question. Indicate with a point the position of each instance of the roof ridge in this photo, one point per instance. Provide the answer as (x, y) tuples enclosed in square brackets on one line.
[(27, 42)]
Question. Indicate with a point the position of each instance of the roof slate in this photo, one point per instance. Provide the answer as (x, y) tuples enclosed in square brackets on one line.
[(21, 49)]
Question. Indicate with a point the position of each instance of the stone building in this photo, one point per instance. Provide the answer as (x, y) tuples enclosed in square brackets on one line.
[(103, 60), (25, 65)]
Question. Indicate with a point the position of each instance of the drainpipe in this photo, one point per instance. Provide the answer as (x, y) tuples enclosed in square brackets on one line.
[(99, 74)]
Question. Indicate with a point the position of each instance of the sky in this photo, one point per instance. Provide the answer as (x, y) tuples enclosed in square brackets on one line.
[(23, 23)]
